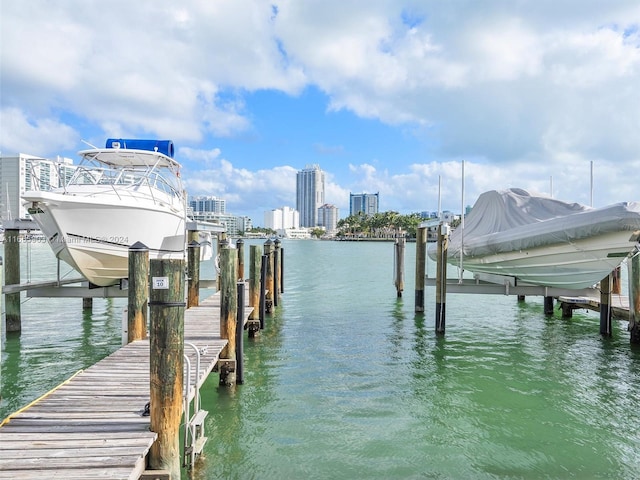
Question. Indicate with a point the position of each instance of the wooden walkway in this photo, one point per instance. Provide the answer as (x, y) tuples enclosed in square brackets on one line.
[(619, 304), (91, 426)]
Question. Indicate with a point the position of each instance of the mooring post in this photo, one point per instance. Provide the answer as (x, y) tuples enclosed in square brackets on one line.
[(548, 305), (634, 298), (193, 274), (222, 242), (239, 335), (255, 254), (399, 263), (268, 251), (228, 314), (605, 306), (12, 277), (441, 277), (281, 276), (166, 338), (138, 293), (276, 272), (240, 248), (421, 257), (616, 288), (263, 289)]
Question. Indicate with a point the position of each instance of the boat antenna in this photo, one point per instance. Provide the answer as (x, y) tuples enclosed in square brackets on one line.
[(439, 198), (591, 187), (461, 270), (87, 143)]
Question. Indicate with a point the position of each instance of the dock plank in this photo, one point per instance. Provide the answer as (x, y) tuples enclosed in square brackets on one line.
[(92, 425)]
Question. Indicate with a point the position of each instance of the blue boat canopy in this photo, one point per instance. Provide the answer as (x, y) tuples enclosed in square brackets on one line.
[(163, 146)]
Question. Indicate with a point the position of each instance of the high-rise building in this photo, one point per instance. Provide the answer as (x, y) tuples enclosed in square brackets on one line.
[(366, 203), (309, 194), (328, 216), (203, 204), (20, 173)]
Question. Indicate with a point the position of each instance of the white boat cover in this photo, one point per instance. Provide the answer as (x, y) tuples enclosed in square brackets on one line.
[(514, 219)]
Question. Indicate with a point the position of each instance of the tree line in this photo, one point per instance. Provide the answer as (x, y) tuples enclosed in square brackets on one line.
[(378, 225)]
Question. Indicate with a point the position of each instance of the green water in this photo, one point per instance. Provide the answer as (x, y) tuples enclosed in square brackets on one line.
[(347, 382)]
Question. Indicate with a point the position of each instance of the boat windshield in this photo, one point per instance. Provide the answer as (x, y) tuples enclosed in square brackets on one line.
[(124, 177)]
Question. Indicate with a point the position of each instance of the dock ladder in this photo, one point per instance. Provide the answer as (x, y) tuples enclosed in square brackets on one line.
[(194, 439)]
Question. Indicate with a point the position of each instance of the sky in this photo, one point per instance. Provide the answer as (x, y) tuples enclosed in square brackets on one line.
[(396, 97)]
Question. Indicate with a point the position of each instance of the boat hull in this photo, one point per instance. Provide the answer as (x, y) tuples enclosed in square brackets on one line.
[(575, 265), (93, 234)]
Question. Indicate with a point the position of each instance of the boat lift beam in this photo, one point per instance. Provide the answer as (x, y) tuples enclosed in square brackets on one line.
[(509, 287)]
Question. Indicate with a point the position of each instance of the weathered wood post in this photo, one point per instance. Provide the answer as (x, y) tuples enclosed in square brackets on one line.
[(255, 257), (616, 288), (239, 334), (228, 314), (548, 305), (12, 277), (276, 272), (240, 248), (268, 251), (399, 263), (166, 338), (281, 276), (222, 242), (193, 274), (263, 289), (441, 277), (138, 292), (605, 306), (634, 298), (421, 258)]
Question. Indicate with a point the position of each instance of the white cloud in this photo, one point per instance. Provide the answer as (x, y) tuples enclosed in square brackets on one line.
[(522, 90)]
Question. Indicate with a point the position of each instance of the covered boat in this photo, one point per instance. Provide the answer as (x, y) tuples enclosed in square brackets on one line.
[(543, 241)]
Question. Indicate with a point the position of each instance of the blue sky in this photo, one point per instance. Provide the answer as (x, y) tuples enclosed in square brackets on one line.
[(387, 96)]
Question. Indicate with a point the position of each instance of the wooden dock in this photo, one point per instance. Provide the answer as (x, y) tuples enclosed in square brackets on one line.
[(619, 305), (92, 426)]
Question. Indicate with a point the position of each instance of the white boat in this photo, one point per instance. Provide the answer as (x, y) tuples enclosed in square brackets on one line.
[(543, 241), (128, 192)]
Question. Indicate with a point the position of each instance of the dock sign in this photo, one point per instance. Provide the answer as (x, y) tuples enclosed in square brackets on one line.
[(160, 283)]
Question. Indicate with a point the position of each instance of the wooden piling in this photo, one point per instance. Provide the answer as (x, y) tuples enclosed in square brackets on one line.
[(268, 251), (548, 305), (263, 289), (12, 277), (616, 286), (87, 303), (281, 276), (193, 274), (441, 277), (276, 272), (255, 254), (605, 306), (399, 263), (240, 248), (138, 292), (166, 339), (421, 257), (228, 313), (634, 299), (239, 334)]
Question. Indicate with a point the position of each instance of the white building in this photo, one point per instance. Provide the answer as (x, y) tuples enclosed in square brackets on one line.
[(280, 219), (20, 173)]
